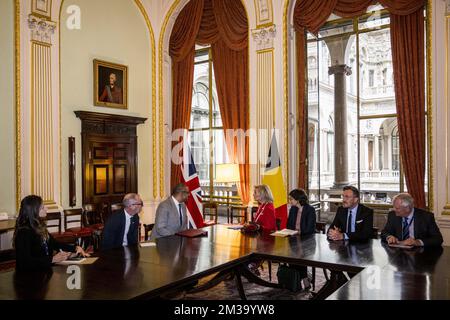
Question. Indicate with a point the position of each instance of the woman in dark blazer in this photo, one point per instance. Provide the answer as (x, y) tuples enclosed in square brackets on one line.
[(298, 200), (33, 243), (299, 203)]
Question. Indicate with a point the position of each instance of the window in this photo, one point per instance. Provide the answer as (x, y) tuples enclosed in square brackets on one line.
[(371, 75), (370, 128), (395, 150), (384, 76), (206, 135)]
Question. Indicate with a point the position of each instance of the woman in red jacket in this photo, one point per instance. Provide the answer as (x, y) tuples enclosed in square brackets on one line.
[(265, 216)]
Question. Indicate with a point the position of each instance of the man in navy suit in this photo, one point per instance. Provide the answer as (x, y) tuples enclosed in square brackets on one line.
[(410, 226), (122, 228), (353, 221)]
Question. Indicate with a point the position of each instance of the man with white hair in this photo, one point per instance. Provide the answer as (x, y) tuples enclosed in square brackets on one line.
[(122, 228), (410, 226)]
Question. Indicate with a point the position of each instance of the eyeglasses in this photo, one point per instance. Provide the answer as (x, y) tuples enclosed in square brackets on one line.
[(138, 204)]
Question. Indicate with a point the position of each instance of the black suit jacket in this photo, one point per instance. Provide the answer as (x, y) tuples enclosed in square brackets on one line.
[(425, 228), (307, 221), (31, 253), (363, 223), (114, 231)]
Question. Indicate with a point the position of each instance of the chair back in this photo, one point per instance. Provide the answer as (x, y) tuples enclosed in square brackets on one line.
[(374, 233), (91, 215), (321, 227), (237, 210), (116, 206), (210, 209), (147, 229), (75, 215), (53, 220), (253, 210)]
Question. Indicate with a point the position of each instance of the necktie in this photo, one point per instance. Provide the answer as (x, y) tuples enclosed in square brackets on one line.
[(349, 221), (405, 229), (181, 214)]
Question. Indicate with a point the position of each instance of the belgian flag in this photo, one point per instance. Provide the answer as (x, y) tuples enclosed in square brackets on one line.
[(273, 177)]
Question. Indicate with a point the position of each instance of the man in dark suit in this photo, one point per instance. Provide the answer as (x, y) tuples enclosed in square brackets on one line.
[(410, 226), (353, 221), (122, 228)]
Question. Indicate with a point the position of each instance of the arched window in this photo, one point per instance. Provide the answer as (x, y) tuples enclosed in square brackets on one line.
[(330, 145), (395, 149)]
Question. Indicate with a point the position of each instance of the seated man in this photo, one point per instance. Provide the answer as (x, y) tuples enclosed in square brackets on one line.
[(353, 221), (171, 214), (122, 228), (410, 226)]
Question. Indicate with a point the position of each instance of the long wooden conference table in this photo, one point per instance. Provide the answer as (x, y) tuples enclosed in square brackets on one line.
[(376, 270)]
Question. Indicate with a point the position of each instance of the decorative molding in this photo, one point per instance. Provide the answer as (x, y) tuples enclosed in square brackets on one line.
[(42, 8), (340, 68), (286, 92), (154, 126), (443, 222), (264, 13), (264, 37), (17, 103), (41, 29)]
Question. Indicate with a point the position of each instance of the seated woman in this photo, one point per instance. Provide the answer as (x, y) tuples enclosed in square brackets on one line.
[(302, 217), (264, 218), (33, 243), (265, 215)]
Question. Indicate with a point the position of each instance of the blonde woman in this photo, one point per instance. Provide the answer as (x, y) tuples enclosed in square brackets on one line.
[(265, 216)]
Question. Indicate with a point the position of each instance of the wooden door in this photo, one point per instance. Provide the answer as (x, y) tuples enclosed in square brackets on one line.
[(110, 159)]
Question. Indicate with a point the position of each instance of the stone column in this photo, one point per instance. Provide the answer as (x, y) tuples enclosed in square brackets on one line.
[(340, 124)]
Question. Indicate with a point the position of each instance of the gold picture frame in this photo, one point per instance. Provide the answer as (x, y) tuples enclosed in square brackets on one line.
[(42, 8), (110, 84)]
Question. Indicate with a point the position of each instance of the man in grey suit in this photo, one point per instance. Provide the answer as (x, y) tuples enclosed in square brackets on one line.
[(171, 214)]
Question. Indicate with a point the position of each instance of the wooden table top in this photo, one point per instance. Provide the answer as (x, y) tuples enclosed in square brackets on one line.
[(134, 272)]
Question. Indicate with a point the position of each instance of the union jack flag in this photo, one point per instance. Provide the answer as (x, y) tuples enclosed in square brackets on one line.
[(190, 178)]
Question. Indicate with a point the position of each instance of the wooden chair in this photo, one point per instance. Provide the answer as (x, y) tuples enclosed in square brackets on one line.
[(147, 229), (374, 233), (116, 206), (210, 209), (235, 210), (84, 234), (93, 220), (53, 220)]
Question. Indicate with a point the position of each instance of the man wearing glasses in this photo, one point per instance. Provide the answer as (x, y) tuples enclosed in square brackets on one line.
[(353, 220), (122, 228), (171, 214)]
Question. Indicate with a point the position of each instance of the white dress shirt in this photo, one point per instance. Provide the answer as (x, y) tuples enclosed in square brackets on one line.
[(127, 227)]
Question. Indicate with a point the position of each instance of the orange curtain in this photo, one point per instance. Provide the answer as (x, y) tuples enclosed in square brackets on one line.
[(407, 40), (230, 56), (223, 24), (182, 51)]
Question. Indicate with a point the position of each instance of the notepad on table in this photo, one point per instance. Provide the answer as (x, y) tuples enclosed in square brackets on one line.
[(284, 233), (147, 244), (235, 227), (81, 261)]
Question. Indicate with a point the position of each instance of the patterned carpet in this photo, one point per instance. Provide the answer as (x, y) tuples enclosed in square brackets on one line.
[(227, 290)]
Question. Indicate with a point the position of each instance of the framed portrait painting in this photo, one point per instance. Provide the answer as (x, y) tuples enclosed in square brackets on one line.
[(110, 84)]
